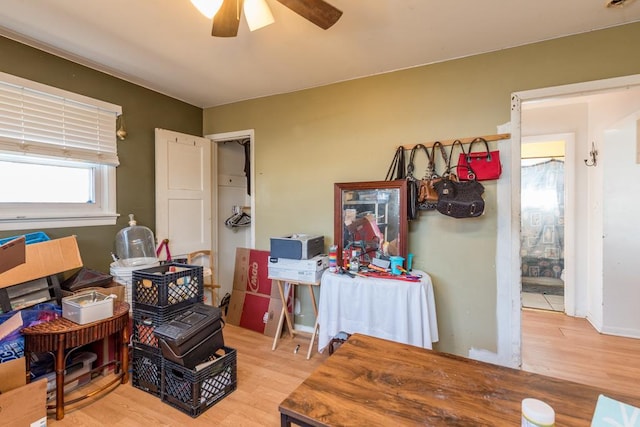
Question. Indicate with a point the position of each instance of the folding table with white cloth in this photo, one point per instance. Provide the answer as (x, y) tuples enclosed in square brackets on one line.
[(395, 310)]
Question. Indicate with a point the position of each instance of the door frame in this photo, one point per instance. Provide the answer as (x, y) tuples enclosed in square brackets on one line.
[(215, 139), (509, 283)]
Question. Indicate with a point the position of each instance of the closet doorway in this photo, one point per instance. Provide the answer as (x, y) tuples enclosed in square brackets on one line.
[(542, 217), (235, 204)]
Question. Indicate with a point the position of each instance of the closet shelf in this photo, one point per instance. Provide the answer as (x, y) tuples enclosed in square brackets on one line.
[(446, 142)]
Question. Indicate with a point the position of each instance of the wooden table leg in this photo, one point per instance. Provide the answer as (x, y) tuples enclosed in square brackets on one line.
[(124, 355), (279, 328), (282, 315), (313, 300), (315, 327), (313, 338), (291, 290), (60, 378)]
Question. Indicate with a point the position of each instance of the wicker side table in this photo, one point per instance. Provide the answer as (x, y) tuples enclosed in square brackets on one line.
[(62, 334)]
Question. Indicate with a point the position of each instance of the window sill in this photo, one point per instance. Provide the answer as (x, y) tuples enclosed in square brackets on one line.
[(31, 223)]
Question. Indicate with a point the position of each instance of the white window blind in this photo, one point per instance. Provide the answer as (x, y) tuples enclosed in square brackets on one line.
[(41, 120)]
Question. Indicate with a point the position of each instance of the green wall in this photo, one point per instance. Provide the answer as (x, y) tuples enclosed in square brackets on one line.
[(144, 110), (308, 140)]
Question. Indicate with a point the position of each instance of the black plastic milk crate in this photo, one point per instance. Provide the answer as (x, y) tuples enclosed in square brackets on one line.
[(193, 391), (145, 323), (146, 371), (167, 285)]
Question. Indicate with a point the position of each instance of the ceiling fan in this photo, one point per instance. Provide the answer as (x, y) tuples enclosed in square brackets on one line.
[(226, 13)]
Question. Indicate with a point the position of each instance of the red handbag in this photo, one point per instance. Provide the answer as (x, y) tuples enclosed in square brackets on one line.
[(485, 165)]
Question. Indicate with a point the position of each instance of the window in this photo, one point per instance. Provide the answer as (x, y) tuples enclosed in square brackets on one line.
[(58, 155)]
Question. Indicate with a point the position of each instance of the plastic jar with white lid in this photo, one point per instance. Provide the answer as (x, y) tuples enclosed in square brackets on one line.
[(536, 413)]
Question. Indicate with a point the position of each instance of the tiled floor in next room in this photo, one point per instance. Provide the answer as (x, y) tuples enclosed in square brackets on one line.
[(543, 301)]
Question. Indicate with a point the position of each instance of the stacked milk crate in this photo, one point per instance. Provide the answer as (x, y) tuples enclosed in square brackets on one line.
[(297, 258), (178, 347)]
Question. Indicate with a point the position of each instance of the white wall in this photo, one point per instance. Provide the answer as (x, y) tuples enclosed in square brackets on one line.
[(621, 237)]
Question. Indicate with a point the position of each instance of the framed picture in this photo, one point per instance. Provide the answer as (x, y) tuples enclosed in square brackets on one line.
[(548, 234), (536, 219), (551, 252), (371, 217)]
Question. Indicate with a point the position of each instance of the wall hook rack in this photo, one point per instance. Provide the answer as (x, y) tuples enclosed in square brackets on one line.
[(594, 156)]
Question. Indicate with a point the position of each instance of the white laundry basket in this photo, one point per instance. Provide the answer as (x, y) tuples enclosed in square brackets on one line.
[(122, 272)]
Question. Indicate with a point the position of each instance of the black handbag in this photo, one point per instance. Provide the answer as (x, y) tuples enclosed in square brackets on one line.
[(397, 167), (460, 199), (395, 172), (413, 186)]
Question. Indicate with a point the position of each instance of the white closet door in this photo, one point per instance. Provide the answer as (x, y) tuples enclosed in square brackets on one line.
[(183, 191)]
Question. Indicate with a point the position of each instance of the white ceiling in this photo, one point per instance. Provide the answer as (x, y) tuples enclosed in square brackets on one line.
[(165, 45)]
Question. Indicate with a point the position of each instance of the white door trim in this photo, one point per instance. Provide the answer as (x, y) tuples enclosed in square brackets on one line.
[(509, 328), (249, 133)]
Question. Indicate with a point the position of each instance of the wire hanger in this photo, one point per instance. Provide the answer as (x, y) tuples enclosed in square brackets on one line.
[(238, 218)]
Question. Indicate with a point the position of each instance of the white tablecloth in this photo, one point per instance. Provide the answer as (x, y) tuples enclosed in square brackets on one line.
[(396, 310)]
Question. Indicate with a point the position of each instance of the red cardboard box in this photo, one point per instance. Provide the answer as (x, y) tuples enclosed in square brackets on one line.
[(255, 301), (251, 273)]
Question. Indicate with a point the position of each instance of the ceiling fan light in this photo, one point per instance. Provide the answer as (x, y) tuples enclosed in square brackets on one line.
[(257, 14), (207, 7)]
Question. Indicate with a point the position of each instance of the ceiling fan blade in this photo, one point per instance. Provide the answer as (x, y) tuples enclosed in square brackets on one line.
[(319, 12), (227, 20)]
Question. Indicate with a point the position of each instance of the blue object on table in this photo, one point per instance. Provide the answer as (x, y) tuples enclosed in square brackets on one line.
[(30, 238)]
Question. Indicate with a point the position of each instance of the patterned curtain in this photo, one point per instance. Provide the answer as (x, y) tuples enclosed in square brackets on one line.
[(542, 219)]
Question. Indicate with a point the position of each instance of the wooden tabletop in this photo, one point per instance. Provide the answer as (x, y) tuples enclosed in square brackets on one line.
[(374, 382), (46, 336)]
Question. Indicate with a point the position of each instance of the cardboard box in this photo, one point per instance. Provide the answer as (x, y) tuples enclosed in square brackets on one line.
[(13, 374), (255, 312), (44, 259), (255, 301), (251, 273), (12, 254), (297, 246), (21, 404), (25, 406)]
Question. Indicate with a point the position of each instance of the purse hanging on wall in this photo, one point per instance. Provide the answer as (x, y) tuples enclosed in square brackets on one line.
[(427, 194), (397, 167), (459, 199), (412, 188), (484, 164)]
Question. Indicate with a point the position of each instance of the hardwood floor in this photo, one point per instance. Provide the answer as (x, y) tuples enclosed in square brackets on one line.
[(265, 378), (553, 344), (570, 348)]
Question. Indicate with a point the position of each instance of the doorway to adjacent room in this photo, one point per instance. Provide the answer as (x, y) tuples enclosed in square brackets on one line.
[(542, 221)]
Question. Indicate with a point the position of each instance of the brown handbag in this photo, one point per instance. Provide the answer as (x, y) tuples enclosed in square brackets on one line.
[(427, 194)]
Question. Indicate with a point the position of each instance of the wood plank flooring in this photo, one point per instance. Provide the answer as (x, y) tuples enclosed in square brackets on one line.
[(570, 348), (265, 378), (553, 344)]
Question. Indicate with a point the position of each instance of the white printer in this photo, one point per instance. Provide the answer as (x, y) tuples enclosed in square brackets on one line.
[(304, 270)]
